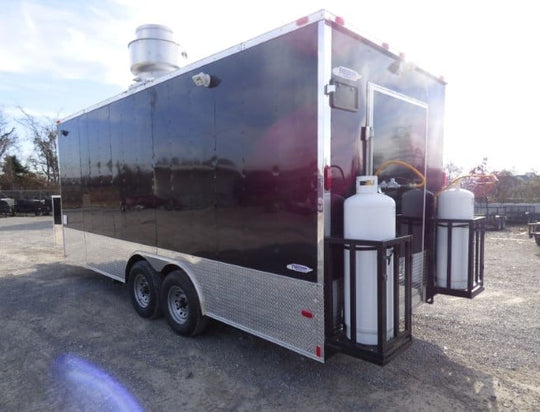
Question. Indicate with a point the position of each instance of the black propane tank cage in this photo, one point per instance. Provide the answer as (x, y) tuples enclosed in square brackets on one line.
[(475, 267), (336, 335)]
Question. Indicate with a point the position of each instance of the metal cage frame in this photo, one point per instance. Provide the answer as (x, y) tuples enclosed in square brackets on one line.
[(386, 349), (475, 269)]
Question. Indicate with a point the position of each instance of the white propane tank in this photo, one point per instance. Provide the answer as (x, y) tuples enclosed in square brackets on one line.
[(454, 203), (368, 215)]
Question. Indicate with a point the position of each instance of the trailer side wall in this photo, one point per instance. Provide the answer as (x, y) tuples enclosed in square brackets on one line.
[(226, 173)]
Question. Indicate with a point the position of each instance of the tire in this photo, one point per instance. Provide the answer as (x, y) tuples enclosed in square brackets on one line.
[(537, 239), (144, 290), (181, 305)]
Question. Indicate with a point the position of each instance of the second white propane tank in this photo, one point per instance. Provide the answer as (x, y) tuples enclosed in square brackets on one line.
[(454, 203), (368, 215)]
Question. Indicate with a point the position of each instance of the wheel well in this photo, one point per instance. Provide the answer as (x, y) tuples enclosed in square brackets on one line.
[(134, 259), (164, 271), (168, 268)]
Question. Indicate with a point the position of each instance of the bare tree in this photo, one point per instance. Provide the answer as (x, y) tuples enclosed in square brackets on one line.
[(452, 171), (509, 187), (7, 137), (44, 138)]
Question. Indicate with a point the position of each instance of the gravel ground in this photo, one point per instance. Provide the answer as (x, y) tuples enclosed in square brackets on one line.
[(69, 340)]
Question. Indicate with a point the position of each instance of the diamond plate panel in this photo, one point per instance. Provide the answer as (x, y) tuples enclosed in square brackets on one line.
[(264, 304), (261, 303)]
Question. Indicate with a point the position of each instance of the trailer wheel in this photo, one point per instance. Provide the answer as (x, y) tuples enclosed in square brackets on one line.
[(537, 239), (181, 305), (144, 289)]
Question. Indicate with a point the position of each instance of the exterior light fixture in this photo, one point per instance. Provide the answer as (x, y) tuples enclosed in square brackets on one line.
[(205, 80)]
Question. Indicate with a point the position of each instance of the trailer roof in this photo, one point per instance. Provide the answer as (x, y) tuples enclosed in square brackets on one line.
[(301, 22)]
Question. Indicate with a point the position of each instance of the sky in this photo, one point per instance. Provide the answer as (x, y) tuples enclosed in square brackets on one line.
[(58, 57)]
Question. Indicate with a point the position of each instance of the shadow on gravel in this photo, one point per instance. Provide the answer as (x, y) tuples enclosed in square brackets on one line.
[(421, 378), (63, 312)]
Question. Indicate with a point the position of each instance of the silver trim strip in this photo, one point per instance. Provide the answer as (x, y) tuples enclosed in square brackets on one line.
[(102, 272), (324, 129), (373, 87)]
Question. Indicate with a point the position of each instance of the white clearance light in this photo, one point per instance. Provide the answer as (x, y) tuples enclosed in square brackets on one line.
[(202, 79), (346, 73)]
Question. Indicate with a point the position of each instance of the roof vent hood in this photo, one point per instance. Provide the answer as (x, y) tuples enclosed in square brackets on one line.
[(154, 52)]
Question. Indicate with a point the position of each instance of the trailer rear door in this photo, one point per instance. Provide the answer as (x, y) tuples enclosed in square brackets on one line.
[(398, 131)]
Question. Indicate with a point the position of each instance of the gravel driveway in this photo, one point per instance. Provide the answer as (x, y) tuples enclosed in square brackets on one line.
[(69, 340)]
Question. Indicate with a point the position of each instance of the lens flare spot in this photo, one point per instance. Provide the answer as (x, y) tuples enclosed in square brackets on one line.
[(85, 386)]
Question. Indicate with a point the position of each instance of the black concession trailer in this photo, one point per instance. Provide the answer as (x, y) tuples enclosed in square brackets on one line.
[(217, 191)]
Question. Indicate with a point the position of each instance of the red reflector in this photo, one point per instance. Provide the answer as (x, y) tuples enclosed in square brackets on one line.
[(385, 46), (302, 20), (307, 314), (402, 56), (340, 21), (318, 351), (327, 178)]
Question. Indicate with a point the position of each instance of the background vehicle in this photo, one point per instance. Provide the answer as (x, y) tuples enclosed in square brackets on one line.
[(11, 204), (5, 209), (36, 207)]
